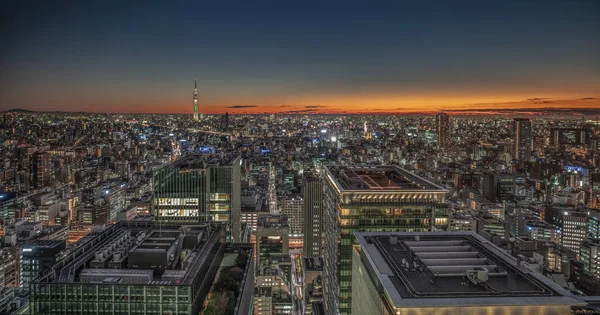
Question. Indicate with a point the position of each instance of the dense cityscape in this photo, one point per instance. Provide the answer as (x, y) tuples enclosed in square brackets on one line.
[(300, 158), (299, 214)]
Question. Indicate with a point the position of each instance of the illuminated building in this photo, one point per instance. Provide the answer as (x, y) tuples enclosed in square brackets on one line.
[(36, 257), (195, 100), (313, 215), (372, 198), (193, 189), (589, 256), (8, 278), (143, 269), (272, 238), (292, 207), (442, 121), (572, 225), (497, 187), (447, 273), (41, 171), (522, 136), (8, 201)]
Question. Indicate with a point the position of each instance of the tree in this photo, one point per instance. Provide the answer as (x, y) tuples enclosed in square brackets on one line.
[(242, 259), (221, 304)]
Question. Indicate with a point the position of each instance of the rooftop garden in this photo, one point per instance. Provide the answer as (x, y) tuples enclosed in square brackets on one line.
[(226, 289)]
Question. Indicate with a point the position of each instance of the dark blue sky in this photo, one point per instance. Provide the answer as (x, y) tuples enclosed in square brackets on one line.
[(107, 56)]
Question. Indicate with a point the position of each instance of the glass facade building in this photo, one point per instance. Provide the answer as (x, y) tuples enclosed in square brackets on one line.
[(196, 189), (313, 214), (180, 290), (372, 199)]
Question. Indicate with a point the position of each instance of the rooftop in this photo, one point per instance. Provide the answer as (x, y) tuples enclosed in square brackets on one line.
[(457, 268), (313, 264), (382, 178), (141, 253), (273, 221)]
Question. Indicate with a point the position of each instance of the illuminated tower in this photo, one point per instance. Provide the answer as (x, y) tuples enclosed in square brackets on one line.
[(366, 132), (195, 100)]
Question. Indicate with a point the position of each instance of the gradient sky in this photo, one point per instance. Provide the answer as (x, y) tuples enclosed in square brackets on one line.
[(112, 57)]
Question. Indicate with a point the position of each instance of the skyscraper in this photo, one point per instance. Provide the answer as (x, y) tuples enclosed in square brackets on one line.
[(195, 100), (40, 170), (523, 144), (313, 214), (442, 121), (370, 199), (196, 189)]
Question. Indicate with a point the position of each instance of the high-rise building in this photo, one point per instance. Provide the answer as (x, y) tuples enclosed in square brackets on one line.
[(90, 214), (522, 136), (572, 224), (497, 187), (8, 278), (589, 256), (442, 121), (146, 269), (447, 273), (312, 189), (272, 238), (122, 168), (369, 199), (195, 100), (36, 257), (292, 207), (199, 189), (41, 170)]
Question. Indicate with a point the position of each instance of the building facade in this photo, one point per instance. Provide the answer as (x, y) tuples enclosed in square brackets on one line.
[(313, 215), (372, 198), (522, 136), (199, 189)]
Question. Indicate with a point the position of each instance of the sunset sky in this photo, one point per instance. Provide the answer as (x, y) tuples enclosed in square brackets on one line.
[(413, 57)]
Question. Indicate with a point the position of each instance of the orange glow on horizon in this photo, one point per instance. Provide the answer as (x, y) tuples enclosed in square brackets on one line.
[(389, 105)]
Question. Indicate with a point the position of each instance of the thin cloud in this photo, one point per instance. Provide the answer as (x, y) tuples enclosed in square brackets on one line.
[(241, 106), (314, 106)]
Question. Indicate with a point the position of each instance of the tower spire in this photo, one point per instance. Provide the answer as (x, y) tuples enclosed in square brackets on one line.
[(195, 100)]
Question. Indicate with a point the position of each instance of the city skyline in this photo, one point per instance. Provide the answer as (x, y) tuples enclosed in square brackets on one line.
[(294, 59)]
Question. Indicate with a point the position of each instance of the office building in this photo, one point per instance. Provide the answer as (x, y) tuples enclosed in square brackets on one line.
[(41, 170), (522, 136), (312, 190), (497, 187), (8, 201), (372, 198), (90, 214), (442, 122), (447, 273), (589, 256), (593, 226), (272, 238), (292, 207), (199, 188), (572, 225), (37, 257), (142, 268), (8, 269)]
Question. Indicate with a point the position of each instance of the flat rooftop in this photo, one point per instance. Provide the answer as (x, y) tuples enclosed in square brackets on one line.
[(131, 253), (201, 161), (273, 221), (382, 178), (444, 268)]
